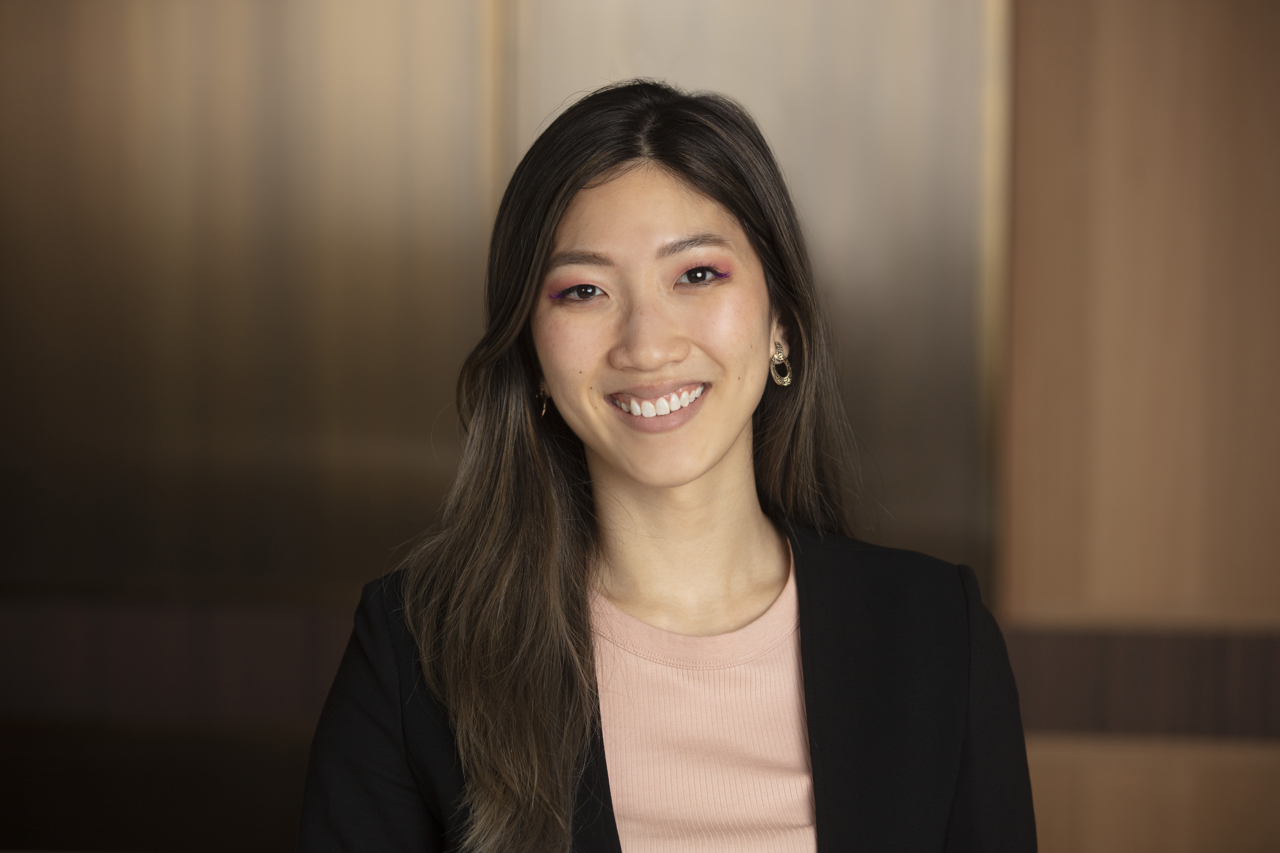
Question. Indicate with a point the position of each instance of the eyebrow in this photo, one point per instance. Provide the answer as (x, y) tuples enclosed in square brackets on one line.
[(675, 247), (697, 241), (578, 259)]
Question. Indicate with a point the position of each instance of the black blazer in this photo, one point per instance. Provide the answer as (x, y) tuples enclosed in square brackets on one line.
[(914, 732)]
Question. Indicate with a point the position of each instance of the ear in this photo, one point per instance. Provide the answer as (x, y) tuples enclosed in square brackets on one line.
[(778, 332)]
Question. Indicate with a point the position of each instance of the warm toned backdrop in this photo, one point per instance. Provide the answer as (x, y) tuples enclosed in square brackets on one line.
[(241, 248)]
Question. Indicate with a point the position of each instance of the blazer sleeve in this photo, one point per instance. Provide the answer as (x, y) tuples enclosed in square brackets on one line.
[(992, 810), (361, 793)]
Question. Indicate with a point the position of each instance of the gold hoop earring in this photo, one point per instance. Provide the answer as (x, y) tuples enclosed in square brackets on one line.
[(779, 357), (542, 392)]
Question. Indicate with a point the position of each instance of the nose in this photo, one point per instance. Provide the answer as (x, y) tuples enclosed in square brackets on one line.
[(651, 337)]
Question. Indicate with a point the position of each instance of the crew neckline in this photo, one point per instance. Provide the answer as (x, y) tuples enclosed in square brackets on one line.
[(683, 651)]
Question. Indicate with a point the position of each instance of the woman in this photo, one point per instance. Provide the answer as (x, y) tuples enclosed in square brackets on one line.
[(641, 624)]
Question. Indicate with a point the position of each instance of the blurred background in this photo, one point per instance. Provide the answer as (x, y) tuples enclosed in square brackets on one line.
[(241, 259)]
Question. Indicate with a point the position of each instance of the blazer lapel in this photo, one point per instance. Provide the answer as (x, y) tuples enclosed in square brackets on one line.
[(884, 685)]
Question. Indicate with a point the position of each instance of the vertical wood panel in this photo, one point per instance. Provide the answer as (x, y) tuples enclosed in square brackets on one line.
[(1044, 502), (1141, 515), (1142, 462)]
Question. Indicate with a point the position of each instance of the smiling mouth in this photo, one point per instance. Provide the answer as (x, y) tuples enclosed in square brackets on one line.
[(657, 407)]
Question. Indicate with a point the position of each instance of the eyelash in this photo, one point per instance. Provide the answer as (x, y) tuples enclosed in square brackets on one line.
[(715, 274), (565, 293)]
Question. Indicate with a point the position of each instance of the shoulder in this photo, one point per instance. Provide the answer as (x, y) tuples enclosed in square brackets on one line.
[(383, 772), (912, 708), (884, 643), (385, 597), (424, 728), (897, 620), (845, 577), (381, 625), (828, 552)]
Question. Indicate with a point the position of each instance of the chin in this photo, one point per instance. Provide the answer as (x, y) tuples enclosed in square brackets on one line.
[(658, 470)]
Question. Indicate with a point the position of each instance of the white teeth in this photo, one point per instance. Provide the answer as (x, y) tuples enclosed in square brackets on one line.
[(662, 405)]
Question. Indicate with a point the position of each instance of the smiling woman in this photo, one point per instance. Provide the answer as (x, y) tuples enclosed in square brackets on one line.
[(672, 307), (658, 368), (641, 625)]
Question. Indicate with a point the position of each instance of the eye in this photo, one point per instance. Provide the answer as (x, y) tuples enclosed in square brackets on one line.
[(700, 275), (580, 293)]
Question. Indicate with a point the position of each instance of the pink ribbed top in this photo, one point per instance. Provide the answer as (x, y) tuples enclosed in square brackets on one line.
[(704, 737)]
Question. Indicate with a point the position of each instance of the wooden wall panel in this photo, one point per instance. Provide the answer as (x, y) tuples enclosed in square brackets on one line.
[(1141, 459), (1154, 795), (1140, 520), (1147, 683)]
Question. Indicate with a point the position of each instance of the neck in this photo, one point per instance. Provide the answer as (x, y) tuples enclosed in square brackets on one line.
[(701, 558)]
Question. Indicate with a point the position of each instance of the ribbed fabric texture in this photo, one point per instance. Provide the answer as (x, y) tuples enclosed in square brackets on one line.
[(704, 737)]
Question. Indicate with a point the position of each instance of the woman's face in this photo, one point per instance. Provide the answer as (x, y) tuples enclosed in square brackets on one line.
[(653, 329)]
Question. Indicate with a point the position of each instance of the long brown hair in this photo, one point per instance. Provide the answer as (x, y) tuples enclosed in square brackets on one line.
[(497, 597)]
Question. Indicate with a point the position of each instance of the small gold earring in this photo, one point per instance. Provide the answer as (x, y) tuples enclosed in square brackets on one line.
[(779, 357), (542, 392)]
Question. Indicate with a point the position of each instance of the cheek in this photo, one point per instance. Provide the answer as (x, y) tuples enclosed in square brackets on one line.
[(566, 346), (737, 330)]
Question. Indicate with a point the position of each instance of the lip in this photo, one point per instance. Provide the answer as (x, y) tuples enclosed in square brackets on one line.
[(662, 423), (662, 389)]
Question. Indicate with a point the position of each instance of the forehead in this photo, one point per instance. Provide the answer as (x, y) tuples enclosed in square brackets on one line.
[(643, 206)]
